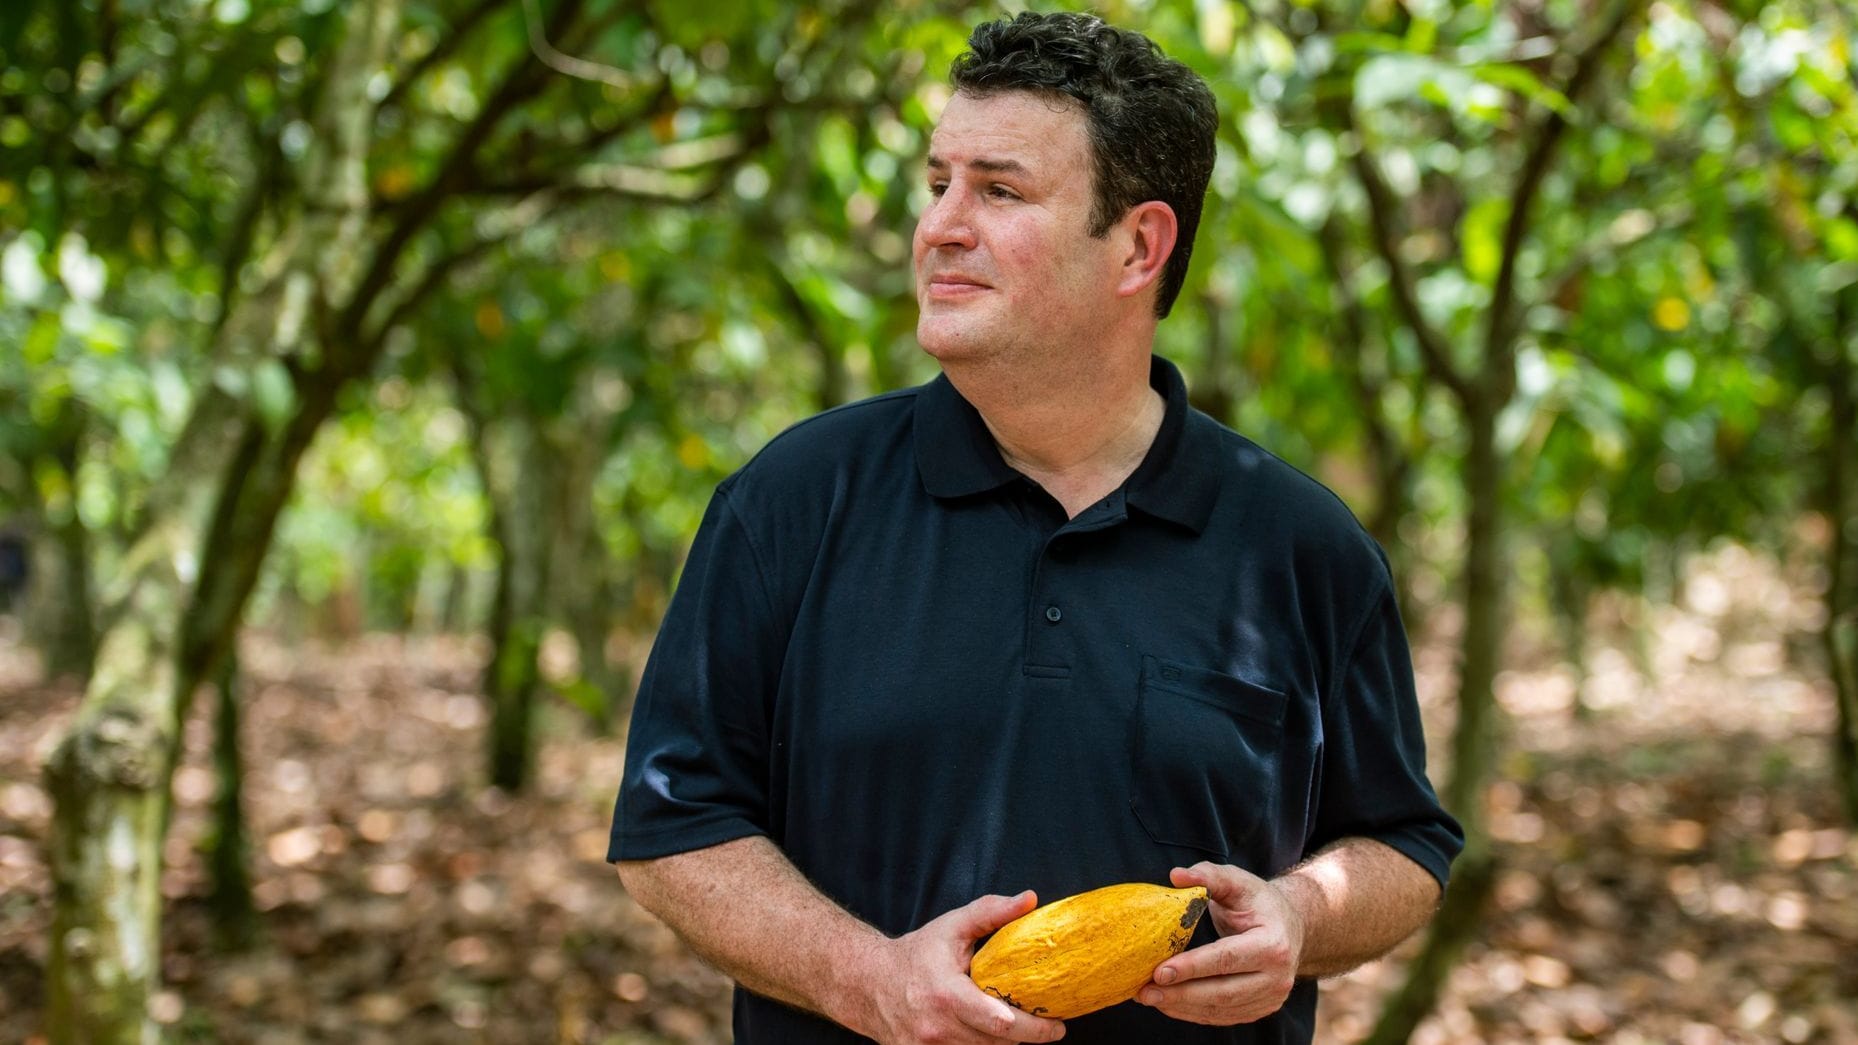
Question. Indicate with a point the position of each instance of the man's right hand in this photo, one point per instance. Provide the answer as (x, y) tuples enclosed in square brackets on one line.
[(917, 987)]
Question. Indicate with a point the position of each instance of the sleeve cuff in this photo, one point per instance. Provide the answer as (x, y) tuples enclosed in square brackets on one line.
[(1430, 846), (649, 844)]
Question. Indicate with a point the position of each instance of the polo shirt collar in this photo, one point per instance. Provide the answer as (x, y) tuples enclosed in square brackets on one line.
[(955, 453), (1178, 480)]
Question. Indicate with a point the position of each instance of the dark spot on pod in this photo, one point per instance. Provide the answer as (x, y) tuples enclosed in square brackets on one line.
[(1008, 998), (1195, 908)]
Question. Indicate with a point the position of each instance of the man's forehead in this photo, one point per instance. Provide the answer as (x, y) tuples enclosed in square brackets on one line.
[(1005, 130), (985, 162)]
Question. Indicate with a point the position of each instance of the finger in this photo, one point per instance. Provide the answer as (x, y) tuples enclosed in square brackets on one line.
[(1227, 956), (1220, 999), (987, 913), (1226, 885), (989, 1015)]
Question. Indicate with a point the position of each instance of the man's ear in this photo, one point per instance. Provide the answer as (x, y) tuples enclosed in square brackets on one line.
[(1150, 229)]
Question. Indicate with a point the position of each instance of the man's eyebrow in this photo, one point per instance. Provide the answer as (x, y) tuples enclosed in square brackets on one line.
[(981, 163)]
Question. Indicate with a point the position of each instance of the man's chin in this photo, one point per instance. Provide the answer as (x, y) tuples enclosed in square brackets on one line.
[(943, 344)]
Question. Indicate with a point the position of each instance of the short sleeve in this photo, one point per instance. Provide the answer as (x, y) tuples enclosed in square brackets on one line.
[(1374, 781), (696, 754)]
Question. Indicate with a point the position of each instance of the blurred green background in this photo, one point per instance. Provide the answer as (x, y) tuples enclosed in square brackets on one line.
[(365, 366)]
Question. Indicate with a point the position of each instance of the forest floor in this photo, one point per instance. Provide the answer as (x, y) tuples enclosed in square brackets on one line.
[(1675, 868)]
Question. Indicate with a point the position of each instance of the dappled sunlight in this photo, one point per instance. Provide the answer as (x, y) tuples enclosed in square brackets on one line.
[(1674, 868), (395, 891), (388, 352)]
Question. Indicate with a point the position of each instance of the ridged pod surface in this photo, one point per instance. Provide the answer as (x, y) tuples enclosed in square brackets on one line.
[(1088, 951)]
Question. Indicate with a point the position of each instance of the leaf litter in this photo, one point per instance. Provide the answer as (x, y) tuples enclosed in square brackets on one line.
[(1675, 864)]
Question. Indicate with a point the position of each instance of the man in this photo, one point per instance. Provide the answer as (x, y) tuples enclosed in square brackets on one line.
[(1036, 625)]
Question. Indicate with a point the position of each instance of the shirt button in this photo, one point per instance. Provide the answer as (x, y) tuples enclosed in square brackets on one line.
[(1054, 614)]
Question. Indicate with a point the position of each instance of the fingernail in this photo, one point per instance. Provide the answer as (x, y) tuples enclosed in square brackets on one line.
[(1151, 997), (1164, 975)]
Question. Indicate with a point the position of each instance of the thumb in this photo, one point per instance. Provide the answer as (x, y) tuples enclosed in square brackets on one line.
[(1230, 887), (986, 913)]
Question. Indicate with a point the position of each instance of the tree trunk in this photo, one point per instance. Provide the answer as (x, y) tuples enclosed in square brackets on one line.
[(59, 609), (170, 622), (235, 919), (1457, 921), (521, 618), (833, 381), (1569, 595), (591, 631), (1213, 394), (1474, 744), (1390, 459), (1841, 628), (108, 778), (1481, 397), (73, 645), (582, 588), (455, 615), (518, 492)]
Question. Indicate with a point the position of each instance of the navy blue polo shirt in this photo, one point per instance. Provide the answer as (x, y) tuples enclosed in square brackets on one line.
[(895, 656)]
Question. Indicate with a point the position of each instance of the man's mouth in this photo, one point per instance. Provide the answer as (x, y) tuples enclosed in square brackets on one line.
[(951, 286)]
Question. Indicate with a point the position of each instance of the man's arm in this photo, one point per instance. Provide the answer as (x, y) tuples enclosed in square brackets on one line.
[(743, 906), (1357, 899), (1350, 903)]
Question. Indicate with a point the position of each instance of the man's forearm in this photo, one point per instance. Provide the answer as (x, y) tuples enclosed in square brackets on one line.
[(1358, 899), (744, 907)]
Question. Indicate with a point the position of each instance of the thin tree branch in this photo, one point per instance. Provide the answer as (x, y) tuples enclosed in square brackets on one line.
[(567, 64), (244, 230), (563, 154), (521, 82), (445, 48), (1383, 445), (1619, 236), (434, 276), (1499, 368), (186, 99), (1382, 206), (831, 388)]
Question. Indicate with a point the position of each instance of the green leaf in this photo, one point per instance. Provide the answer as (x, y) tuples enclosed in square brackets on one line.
[(1520, 80), (41, 342), (1367, 43), (1422, 36), (1482, 238), (107, 336), (273, 395)]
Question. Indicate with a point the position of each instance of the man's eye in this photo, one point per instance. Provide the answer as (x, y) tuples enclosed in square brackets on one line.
[(1002, 192), (937, 188)]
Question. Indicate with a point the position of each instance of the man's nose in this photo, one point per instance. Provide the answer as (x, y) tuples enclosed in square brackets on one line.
[(945, 221)]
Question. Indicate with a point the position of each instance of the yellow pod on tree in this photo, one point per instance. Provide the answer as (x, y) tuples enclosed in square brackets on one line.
[(1088, 951)]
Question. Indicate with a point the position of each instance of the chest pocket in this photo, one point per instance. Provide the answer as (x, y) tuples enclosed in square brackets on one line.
[(1204, 750)]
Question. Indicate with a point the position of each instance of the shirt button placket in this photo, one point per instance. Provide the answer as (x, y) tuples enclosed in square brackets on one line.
[(1048, 646)]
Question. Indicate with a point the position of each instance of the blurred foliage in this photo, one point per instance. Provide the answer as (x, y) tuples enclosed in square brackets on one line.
[(659, 262), (610, 248)]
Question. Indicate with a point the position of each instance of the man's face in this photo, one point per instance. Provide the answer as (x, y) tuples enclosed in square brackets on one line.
[(1005, 262)]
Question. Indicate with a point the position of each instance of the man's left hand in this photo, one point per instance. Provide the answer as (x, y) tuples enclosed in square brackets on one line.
[(1248, 972)]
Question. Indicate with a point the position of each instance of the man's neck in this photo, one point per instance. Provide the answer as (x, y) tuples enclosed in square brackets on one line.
[(1079, 434)]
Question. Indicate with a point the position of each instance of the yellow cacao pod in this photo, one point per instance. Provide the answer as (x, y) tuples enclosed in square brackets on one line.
[(1088, 951)]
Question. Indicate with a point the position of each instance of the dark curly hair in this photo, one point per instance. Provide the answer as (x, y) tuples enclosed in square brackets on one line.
[(1151, 119)]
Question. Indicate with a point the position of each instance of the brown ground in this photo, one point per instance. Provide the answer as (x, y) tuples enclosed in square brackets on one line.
[(1676, 867)]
